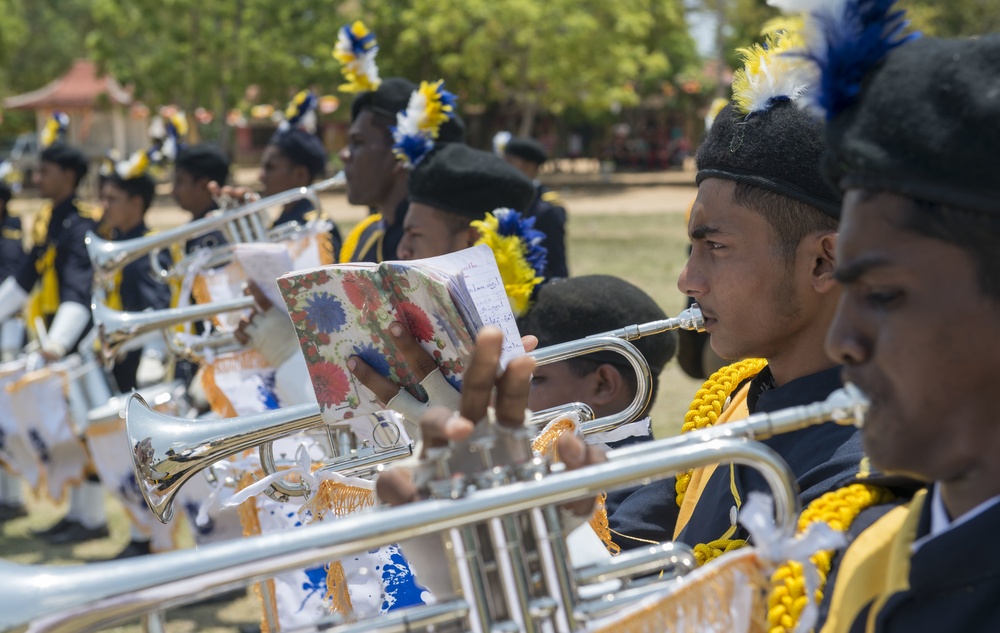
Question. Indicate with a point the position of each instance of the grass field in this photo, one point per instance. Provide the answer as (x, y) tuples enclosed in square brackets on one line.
[(644, 248)]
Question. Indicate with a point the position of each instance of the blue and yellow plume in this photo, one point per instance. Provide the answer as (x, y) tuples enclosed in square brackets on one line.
[(417, 127), (55, 128), (770, 74), (517, 246), (356, 49), (300, 113), (846, 39)]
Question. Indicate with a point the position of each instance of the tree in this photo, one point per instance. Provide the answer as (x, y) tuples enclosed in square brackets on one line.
[(535, 55)]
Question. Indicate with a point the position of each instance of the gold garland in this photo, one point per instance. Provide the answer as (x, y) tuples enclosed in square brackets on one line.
[(709, 402), (838, 509)]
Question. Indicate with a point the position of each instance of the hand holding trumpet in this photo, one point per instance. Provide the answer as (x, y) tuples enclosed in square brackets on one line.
[(442, 427)]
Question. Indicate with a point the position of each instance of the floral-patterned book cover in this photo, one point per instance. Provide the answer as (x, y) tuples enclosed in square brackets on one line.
[(345, 310)]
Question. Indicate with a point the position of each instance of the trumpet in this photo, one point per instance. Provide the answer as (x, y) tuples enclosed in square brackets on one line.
[(116, 328), (87, 598), (244, 224), (169, 451)]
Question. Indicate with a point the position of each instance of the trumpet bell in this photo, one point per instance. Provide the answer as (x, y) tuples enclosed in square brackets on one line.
[(168, 451)]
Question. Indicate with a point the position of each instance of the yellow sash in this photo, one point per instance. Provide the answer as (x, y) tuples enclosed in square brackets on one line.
[(736, 410), (874, 567), (351, 242)]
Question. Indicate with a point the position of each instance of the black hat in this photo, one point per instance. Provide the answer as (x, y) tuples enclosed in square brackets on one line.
[(392, 96), (527, 148), (778, 149), (204, 161), (302, 148), (468, 182), (926, 125), (67, 157), (571, 308)]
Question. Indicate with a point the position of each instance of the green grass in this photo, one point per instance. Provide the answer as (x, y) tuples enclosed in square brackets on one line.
[(647, 250)]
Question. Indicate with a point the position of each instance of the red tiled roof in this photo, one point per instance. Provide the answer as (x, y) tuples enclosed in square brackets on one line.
[(79, 87)]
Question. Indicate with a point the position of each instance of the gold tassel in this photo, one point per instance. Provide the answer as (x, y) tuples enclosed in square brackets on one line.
[(250, 521), (545, 443), (338, 597), (599, 523)]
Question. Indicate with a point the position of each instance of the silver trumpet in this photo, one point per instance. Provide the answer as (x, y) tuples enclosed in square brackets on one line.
[(247, 223), (169, 451), (88, 598), (116, 328)]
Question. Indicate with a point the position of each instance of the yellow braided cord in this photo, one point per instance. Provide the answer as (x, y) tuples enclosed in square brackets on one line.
[(709, 402), (706, 552), (599, 523), (838, 509), (338, 595), (545, 443)]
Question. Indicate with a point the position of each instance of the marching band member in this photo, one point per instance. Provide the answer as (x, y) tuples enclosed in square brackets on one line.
[(570, 309), (527, 156), (11, 331), (53, 283), (126, 195), (911, 133), (375, 178), (764, 229), (196, 167)]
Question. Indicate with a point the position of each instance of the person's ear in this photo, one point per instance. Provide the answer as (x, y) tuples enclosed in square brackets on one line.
[(470, 236), (824, 261), (608, 385)]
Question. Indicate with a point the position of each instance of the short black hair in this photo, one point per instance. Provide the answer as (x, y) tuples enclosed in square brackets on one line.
[(203, 161), (302, 148), (142, 186), (978, 234), (66, 157), (790, 220)]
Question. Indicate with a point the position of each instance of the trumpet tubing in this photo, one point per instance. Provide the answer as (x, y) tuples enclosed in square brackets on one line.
[(243, 224), (116, 328), (81, 599)]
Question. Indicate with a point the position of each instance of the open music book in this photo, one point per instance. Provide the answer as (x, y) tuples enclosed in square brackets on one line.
[(345, 310)]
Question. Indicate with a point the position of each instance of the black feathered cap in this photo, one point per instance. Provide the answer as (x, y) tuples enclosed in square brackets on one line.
[(527, 148), (392, 96), (468, 182), (67, 157), (571, 308), (926, 125), (204, 161), (778, 149), (302, 148)]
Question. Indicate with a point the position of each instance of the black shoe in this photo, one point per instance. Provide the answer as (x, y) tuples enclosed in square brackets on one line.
[(8, 513), (133, 549), (60, 526), (78, 534)]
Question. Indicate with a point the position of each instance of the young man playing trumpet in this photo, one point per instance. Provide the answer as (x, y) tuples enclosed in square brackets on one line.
[(916, 326)]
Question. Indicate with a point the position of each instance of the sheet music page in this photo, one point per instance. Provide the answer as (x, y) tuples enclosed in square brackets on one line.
[(485, 287), (263, 263)]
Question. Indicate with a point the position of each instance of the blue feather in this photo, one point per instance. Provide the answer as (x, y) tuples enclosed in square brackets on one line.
[(414, 148), (511, 223), (855, 40)]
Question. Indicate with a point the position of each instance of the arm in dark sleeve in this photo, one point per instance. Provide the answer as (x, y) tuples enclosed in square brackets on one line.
[(26, 274), (76, 274), (647, 515), (11, 249), (551, 220), (140, 290)]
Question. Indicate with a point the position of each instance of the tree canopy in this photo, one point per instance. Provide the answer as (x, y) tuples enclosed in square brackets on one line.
[(528, 55)]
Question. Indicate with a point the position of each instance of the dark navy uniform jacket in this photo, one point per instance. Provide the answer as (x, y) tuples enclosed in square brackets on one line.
[(303, 211), (66, 231), (954, 581), (139, 291), (550, 218), (823, 457), (11, 246), (379, 242)]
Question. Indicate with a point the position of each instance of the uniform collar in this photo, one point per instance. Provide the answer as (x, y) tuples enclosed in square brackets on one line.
[(765, 397), (138, 231), (936, 521)]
